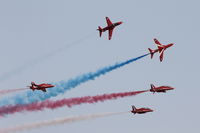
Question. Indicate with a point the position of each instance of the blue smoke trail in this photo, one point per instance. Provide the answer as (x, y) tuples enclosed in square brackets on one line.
[(62, 86)]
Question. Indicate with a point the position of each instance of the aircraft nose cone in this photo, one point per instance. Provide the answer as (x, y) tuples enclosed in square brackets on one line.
[(120, 22), (51, 86)]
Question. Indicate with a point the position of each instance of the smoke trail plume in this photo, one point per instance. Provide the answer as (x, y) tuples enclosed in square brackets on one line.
[(65, 102), (41, 59), (57, 121), (2, 92), (62, 86)]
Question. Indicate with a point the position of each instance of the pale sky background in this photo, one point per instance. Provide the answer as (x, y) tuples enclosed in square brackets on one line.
[(29, 29)]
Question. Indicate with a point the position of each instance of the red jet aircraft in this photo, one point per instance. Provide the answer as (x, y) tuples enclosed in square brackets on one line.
[(41, 87), (140, 110), (160, 88), (161, 49), (110, 28)]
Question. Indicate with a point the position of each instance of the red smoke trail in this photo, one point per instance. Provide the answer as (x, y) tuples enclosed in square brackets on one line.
[(11, 109), (11, 90)]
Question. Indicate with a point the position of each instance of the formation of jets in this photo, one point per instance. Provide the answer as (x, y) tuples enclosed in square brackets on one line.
[(44, 86), (153, 89), (110, 27), (134, 110)]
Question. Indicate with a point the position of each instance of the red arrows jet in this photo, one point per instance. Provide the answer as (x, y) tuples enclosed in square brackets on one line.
[(160, 88), (140, 110), (161, 49), (41, 87), (110, 28)]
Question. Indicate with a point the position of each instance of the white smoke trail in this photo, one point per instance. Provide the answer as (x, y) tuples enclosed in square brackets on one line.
[(40, 59), (57, 121), (2, 92)]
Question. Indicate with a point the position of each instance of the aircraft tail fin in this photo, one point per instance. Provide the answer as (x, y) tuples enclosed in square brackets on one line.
[(151, 52), (133, 107), (153, 88), (100, 31), (33, 84)]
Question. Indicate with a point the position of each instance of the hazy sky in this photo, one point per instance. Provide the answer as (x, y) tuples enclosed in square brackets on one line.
[(29, 30)]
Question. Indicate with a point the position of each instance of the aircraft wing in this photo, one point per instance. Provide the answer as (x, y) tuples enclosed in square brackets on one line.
[(110, 34), (44, 90), (158, 43), (161, 55), (109, 23)]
